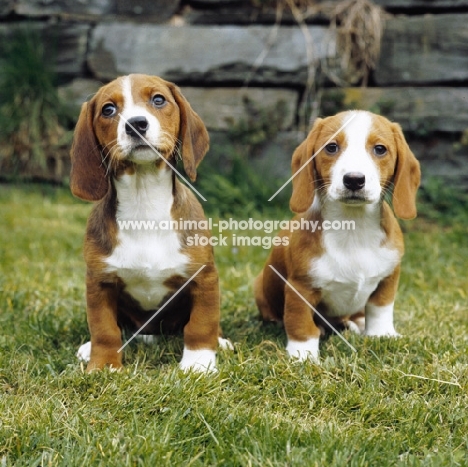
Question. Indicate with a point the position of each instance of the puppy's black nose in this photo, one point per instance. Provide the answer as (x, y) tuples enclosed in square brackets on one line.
[(354, 181), (136, 126)]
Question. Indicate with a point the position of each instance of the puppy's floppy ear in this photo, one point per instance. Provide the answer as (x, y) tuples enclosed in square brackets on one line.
[(406, 179), (304, 182), (193, 136), (88, 178)]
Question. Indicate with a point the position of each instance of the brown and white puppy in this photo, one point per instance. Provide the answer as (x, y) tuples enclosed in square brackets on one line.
[(342, 273), (122, 137)]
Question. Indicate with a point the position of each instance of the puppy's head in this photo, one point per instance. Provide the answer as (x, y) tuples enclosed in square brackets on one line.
[(353, 158), (135, 119)]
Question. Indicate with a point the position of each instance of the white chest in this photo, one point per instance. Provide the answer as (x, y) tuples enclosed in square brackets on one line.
[(145, 256), (351, 268)]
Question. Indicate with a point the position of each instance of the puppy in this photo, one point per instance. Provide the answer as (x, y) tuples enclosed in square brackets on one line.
[(344, 168), (126, 141)]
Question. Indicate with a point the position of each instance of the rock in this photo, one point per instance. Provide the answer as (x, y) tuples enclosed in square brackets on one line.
[(196, 54), (6, 7), (155, 10), (419, 110), (423, 50), (421, 5), (220, 108), (440, 158), (78, 91), (211, 3), (68, 7), (65, 44), (272, 160), (275, 159), (245, 14)]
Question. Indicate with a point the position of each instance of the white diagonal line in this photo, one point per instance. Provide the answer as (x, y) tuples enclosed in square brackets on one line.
[(164, 159), (313, 308), (159, 311), (316, 152)]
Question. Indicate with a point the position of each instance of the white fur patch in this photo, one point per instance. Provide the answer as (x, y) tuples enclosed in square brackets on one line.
[(355, 158), (84, 352), (146, 256), (202, 360), (137, 109), (225, 344), (148, 339), (353, 263), (306, 350), (379, 321), (357, 326)]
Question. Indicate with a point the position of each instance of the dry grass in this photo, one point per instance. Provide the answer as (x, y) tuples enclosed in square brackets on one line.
[(359, 25)]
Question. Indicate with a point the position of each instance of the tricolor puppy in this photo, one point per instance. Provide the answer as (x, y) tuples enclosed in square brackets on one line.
[(349, 163), (123, 138)]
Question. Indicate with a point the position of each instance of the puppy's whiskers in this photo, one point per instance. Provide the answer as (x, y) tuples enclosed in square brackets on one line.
[(388, 191)]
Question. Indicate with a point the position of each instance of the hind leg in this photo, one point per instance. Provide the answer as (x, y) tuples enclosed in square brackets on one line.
[(266, 311), (357, 322)]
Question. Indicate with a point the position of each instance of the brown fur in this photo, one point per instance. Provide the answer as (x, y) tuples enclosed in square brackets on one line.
[(278, 302), (95, 161)]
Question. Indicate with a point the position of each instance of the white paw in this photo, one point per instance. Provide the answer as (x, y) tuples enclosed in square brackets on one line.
[(357, 325), (353, 327), (203, 360), (84, 352), (379, 321), (305, 350), (225, 344), (389, 332), (148, 339)]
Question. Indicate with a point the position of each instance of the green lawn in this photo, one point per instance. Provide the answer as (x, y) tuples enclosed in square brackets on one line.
[(394, 402)]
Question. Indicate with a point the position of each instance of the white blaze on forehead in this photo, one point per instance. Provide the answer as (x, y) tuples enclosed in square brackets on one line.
[(136, 109), (358, 129), (128, 110), (356, 158), (127, 94), (130, 107)]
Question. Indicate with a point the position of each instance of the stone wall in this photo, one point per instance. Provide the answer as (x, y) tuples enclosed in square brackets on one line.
[(222, 52)]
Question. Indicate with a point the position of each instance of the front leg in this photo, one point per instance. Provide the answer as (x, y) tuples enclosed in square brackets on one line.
[(303, 334), (106, 337), (379, 308), (202, 331)]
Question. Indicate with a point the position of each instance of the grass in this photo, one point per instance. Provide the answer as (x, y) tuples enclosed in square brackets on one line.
[(395, 402), (34, 122)]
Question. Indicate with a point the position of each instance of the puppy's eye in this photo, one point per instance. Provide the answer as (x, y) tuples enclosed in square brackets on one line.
[(332, 149), (109, 110), (158, 100), (380, 150)]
